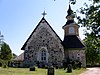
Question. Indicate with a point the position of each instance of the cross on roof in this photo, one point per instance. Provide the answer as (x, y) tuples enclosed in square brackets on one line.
[(44, 13)]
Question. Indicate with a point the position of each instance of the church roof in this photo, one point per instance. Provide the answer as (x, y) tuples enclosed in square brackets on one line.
[(72, 41), (44, 20), (20, 57), (69, 22)]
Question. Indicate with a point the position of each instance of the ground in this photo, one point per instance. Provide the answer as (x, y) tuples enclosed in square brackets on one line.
[(92, 71), (39, 71)]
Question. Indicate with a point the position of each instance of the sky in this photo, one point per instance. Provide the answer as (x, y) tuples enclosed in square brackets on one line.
[(18, 18)]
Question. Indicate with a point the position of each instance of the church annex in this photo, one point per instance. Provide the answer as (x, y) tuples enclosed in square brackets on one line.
[(45, 46)]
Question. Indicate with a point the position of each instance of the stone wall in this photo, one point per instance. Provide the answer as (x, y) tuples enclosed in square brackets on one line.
[(77, 55), (43, 37)]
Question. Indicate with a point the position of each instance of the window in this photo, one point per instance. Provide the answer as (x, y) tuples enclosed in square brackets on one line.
[(43, 55), (71, 30)]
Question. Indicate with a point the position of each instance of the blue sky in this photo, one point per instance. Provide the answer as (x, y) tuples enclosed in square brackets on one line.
[(18, 18)]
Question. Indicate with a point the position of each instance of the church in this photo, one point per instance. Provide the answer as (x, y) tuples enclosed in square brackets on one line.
[(45, 46)]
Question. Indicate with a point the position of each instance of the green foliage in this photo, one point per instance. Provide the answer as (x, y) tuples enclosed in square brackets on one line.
[(91, 21), (92, 16), (4, 63), (92, 50), (6, 53)]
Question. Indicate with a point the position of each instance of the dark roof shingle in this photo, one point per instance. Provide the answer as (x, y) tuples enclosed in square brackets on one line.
[(72, 41)]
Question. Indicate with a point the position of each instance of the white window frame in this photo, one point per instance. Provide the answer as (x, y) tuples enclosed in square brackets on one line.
[(42, 54)]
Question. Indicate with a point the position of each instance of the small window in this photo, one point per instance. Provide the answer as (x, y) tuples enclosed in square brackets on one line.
[(71, 30)]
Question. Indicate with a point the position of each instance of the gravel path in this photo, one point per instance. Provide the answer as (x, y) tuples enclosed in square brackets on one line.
[(92, 71)]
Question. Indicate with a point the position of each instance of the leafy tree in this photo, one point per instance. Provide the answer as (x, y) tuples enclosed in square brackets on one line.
[(92, 17), (92, 22), (92, 52), (6, 53)]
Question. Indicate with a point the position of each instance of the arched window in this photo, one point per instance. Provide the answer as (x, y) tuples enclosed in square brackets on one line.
[(43, 55), (71, 30)]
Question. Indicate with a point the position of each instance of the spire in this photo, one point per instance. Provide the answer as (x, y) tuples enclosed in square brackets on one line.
[(70, 16), (69, 11)]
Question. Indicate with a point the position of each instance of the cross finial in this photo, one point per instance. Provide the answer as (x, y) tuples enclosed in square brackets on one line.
[(44, 13)]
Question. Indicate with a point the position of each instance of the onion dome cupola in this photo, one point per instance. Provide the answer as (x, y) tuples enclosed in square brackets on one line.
[(71, 27)]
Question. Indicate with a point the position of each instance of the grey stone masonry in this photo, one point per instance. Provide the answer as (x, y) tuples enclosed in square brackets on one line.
[(43, 37)]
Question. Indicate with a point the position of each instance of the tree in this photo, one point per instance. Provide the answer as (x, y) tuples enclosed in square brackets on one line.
[(6, 53), (92, 52), (92, 22), (92, 16)]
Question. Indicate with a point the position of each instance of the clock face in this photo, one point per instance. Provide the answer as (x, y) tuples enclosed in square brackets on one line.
[(71, 30)]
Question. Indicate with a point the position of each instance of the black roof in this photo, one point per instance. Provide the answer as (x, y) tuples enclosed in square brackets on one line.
[(69, 22), (23, 47), (72, 41), (69, 11)]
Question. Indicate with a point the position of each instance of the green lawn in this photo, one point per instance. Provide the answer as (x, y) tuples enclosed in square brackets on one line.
[(25, 71)]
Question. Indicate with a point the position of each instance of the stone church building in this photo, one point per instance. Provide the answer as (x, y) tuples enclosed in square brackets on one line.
[(44, 45)]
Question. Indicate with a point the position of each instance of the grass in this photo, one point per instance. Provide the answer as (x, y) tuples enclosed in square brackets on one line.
[(25, 71)]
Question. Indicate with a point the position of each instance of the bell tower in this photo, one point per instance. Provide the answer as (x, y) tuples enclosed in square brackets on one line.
[(71, 27), (74, 49)]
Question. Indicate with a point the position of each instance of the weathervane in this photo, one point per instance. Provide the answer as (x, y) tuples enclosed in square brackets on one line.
[(72, 1), (44, 13)]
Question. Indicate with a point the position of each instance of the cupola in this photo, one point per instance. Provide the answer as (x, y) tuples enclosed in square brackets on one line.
[(71, 27)]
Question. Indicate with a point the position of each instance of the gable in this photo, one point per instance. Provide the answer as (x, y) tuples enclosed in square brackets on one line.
[(42, 28)]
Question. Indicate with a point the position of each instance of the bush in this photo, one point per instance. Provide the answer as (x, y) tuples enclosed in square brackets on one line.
[(4, 64)]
